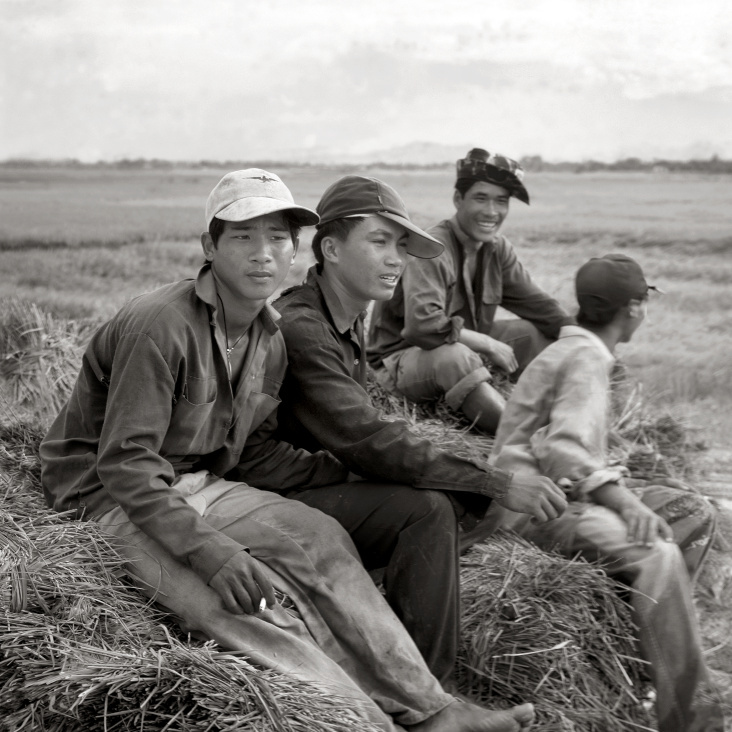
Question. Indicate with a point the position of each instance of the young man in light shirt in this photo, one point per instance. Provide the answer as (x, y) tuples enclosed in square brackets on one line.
[(556, 423)]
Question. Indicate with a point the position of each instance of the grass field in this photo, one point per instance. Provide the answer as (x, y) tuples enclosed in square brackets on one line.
[(78, 243)]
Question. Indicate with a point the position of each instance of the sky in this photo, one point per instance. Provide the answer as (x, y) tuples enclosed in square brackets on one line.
[(326, 80)]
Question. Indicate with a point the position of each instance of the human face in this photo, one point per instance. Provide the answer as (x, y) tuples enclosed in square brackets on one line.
[(251, 258), (369, 263), (482, 210)]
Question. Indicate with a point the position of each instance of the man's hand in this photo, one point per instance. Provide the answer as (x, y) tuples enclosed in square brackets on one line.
[(535, 495), (502, 355), (644, 525), (242, 583)]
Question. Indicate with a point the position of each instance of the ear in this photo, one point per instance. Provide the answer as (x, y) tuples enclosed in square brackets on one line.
[(330, 246), (457, 198), (208, 246), (295, 244), (635, 308)]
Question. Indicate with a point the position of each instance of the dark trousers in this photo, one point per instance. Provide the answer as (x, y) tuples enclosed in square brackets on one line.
[(412, 535)]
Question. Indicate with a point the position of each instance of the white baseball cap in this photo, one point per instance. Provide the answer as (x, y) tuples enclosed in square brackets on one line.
[(246, 194)]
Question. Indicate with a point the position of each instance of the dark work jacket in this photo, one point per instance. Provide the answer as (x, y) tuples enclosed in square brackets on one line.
[(325, 405), (153, 400), (433, 302)]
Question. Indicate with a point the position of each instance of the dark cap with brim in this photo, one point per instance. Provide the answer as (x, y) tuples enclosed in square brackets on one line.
[(607, 283), (480, 165), (357, 195)]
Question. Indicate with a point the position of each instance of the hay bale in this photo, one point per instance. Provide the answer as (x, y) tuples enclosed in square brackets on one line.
[(539, 627), (81, 649)]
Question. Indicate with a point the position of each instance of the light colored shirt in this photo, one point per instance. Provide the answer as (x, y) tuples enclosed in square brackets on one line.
[(556, 422)]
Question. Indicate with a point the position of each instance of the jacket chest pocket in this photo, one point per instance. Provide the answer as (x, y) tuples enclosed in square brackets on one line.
[(195, 428)]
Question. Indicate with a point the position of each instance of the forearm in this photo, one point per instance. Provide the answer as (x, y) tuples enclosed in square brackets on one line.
[(478, 342), (614, 496)]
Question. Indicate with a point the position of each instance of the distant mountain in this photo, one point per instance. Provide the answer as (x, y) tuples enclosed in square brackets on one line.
[(416, 153)]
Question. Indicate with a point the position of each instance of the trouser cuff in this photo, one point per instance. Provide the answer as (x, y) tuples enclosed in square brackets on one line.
[(455, 397)]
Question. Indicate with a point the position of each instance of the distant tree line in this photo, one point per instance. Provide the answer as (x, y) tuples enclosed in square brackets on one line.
[(533, 163), (715, 164)]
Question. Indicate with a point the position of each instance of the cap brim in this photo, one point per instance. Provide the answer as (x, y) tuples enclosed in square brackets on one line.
[(420, 244), (250, 208)]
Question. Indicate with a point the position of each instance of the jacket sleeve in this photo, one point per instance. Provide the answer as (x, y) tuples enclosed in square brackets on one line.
[(338, 413), (428, 284), (271, 464), (523, 298), (130, 464), (574, 442)]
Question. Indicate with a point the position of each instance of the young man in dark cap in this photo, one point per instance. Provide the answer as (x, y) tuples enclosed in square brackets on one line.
[(435, 336), (556, 423), (167, 433), (404, 516)]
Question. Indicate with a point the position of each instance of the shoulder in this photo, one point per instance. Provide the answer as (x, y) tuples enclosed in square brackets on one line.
[(304, 320), (157, 311), (300, 304)]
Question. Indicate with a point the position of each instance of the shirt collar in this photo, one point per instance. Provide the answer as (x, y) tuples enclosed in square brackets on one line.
[(206, 291), (462, 237), (570, 331), (332, 301)]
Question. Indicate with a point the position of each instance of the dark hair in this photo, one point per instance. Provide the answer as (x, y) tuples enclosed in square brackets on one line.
[(463, 185), (216, 227), (597, 318), (338, 229), (593, 315)]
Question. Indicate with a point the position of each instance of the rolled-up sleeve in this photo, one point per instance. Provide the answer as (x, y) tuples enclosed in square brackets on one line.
[(427, 286)]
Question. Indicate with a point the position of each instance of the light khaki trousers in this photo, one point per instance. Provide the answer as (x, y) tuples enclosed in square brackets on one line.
[(344, 636)]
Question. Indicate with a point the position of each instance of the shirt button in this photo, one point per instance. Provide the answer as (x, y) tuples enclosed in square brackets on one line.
[(355, 363)]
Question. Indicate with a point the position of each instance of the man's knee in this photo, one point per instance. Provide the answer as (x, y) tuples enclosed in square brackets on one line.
[(429, 373), (434, 506)]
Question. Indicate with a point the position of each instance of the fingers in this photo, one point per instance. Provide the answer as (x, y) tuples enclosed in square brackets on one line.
[(242, 584), (265, 587), (664, 530)]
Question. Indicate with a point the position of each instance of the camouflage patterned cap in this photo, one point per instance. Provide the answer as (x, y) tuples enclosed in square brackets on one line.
[(480, 165)]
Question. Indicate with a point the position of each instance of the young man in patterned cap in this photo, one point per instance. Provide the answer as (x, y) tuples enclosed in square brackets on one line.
[(404, 516), (652, 537), (434, 337), (174, 408)]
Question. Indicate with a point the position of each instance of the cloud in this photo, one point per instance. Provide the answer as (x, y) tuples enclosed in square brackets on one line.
[(225, 79)]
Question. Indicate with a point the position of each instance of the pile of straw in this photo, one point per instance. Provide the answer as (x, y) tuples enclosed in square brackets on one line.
[(538, 627), (82, 650), (39, 357)]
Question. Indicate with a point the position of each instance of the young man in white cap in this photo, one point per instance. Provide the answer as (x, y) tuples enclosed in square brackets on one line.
[(437, 336), (172, 411), (556, 423), (404, 516)]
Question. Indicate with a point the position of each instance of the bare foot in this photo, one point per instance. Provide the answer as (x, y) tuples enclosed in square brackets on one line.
[(465, 717)]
